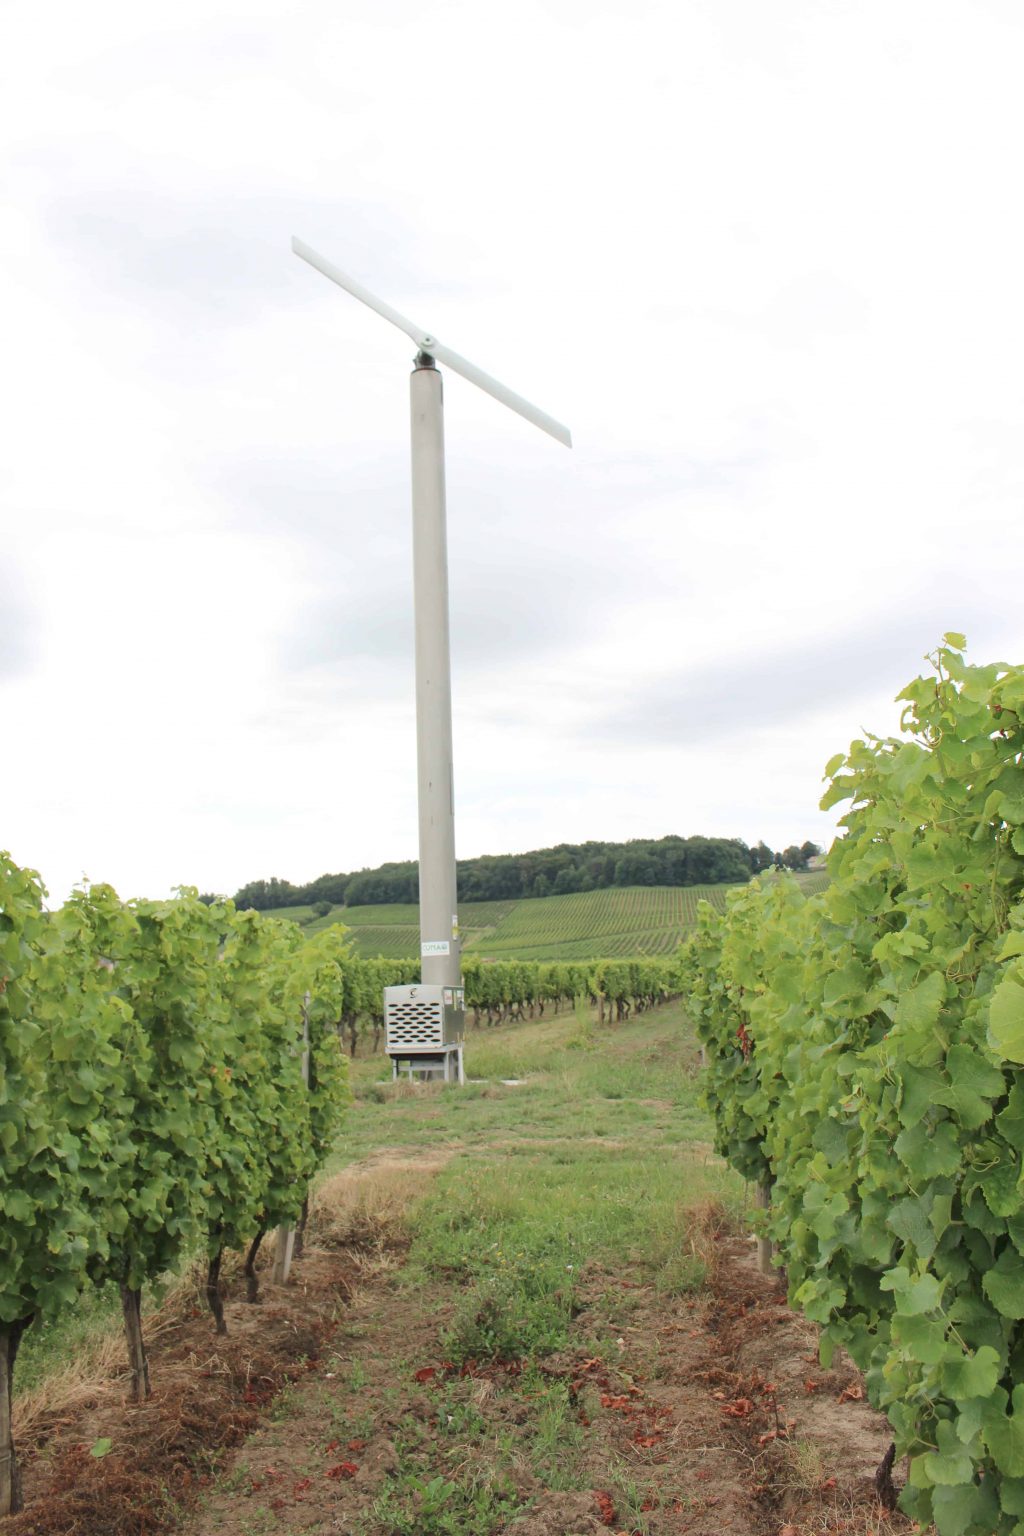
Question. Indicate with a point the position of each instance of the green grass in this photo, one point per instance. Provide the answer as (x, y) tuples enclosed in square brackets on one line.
[(49, 1347), (565, 1216), (588, 925), (593, 1171), (598, 1154)]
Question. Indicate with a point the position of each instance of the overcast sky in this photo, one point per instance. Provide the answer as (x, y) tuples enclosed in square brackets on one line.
[(764, 259)]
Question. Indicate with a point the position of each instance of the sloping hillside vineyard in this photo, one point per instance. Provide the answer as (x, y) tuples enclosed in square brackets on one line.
[(866, 1064), (590, 925)]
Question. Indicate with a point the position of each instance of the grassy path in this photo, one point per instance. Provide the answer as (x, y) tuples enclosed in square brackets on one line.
[(552, 1331)]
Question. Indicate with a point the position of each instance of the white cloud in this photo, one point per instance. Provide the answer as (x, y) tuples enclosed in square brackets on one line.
[(765, 262)]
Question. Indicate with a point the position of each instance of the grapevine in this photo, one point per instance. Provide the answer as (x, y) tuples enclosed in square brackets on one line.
[(882, 1091)]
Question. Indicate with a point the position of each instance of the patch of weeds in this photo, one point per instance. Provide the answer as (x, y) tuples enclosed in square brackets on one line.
[(803, 1468), (468, 1092), (443, 1508), (457, 1417), (283, 1403), (238, 1477), (680, 1275), (635, 1501), (584, 1037), (374, 1093), (357, 1377), (682, 1252), (522, 1309), (604, 1343), (50, 1346), (261, 1519), (556, 1433)]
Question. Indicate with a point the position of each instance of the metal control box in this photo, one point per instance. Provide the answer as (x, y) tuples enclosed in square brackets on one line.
[(423, 1018)]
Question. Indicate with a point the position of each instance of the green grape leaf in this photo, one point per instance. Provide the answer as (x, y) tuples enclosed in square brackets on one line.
[(913, 1296), (1004, 1284), (923, 1087), (999, 1187), (1006, 1017), (923, 1295), (950, 1465), (965, 1508), (909, 1220), (1004, 1434), (972, 1375), (930, 1152), (1012, 809), (1010, 1121), (919, 1008), (975, 1082), (922, 1337), (1011, 1495)]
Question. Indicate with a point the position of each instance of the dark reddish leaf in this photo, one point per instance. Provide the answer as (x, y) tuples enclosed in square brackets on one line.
[(605, 1508)]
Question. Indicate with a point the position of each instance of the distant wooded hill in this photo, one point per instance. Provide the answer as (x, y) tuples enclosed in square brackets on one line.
[(559, 871)]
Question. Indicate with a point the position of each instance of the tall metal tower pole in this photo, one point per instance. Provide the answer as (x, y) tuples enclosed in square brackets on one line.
[(440, 949), (439, 940)]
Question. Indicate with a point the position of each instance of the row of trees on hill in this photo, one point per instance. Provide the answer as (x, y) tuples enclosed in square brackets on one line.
[(544, 872)]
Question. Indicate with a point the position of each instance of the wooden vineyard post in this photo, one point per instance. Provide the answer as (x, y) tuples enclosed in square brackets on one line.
[(284, 1244), (763, 1199), (10, 1477)]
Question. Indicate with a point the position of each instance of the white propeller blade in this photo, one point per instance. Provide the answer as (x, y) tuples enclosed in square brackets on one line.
[(430, 344)]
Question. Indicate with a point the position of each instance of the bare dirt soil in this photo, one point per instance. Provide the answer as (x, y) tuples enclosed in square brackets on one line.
[(209, 1395), (328, 1408)]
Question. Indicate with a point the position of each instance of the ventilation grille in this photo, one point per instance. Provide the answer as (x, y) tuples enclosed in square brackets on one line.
[(414, 1024)]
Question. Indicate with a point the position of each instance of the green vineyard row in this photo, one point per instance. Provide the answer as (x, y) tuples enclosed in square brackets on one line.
[(866, 1066), (171, 1077)]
